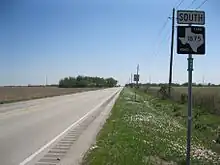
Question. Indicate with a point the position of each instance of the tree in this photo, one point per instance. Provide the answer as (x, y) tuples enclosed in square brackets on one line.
[(199, 85), (85, 81), (185, 84), (111, 82)]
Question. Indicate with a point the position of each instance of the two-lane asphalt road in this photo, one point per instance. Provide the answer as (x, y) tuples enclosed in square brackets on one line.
[(27, 126)]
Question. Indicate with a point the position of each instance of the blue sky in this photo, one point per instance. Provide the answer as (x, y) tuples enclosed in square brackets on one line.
[(61, 38)]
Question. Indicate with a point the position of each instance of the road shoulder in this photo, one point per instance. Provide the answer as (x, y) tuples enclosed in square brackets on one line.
[(87, 139)]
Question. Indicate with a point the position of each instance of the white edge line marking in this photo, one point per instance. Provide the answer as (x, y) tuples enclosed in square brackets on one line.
[(28, 159)]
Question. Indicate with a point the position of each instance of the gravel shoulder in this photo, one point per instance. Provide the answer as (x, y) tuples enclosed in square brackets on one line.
[(87, 139)]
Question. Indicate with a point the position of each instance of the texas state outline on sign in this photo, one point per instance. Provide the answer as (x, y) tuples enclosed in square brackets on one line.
[(193, 39)]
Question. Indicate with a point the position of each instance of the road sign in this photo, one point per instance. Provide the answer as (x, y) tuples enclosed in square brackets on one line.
[(136, 77), (191, 17), (190, 40)]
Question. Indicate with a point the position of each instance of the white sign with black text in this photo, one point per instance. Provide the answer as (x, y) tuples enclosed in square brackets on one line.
[(191, 17)]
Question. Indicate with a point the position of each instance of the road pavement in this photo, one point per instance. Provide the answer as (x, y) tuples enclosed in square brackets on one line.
[(28, 129)]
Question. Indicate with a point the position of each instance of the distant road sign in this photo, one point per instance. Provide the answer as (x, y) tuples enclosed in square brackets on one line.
[(191, 17), (190, 40), (136, 77)]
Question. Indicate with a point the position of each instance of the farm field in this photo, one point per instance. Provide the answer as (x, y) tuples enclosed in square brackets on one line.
[(12, 94), (202, 90), (205, 98), (214, 90)]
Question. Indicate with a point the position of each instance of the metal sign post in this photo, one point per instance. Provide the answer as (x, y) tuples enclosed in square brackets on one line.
[(135, 96), (189, 124), (190, 40)]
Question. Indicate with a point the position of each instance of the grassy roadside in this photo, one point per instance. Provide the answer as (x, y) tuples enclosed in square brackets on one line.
[(148, 132)]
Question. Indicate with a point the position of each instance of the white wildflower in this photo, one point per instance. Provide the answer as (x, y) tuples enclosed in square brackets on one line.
[(93, 147)]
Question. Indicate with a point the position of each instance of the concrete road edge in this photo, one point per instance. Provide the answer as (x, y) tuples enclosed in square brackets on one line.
[(88, 137)]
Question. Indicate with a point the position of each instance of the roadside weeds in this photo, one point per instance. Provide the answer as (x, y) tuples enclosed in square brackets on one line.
[(146, 132)]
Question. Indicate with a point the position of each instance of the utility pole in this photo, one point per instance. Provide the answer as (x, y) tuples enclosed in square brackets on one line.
[(46, 81), (203, 80), (131, 78), (137, 79), (137, 74), (171, 54)]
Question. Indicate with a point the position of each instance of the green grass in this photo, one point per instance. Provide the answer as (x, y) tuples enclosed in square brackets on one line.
[(150, 131)]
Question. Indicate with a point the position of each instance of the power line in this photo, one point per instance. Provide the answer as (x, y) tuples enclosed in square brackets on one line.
[(193, 1), (202, 4), (177, 4), (180, 3), (165, 38), (163, 27)]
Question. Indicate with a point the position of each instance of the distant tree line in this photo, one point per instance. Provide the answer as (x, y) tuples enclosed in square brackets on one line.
[(86, 81)]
